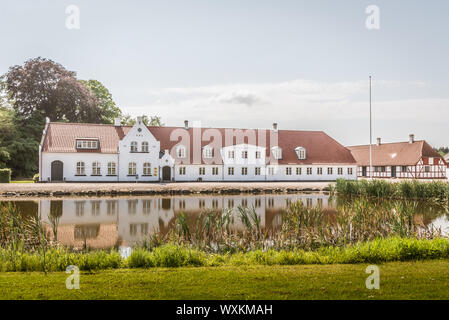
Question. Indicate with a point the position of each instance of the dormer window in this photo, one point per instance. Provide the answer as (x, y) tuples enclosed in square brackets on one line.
[(207, 152), (89, 144), (181, 152), (133, 146), (300, 153), (277, 153)]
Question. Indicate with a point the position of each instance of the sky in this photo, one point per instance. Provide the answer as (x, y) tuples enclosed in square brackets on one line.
[(249, 63)]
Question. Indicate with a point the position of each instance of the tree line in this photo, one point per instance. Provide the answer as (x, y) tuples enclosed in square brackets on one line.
[(42, 88)]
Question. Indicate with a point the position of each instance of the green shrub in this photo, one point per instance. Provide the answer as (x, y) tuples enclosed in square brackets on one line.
[(5, 175)]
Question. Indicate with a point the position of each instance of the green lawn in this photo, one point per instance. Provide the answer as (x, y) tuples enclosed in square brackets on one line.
[(21, 181), (398, 280)]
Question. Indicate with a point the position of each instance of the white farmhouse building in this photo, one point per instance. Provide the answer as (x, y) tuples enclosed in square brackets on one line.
[(75, 152)]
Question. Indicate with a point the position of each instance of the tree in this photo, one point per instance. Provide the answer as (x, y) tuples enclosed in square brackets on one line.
[(109, 111), (44, 87), (151, 121)]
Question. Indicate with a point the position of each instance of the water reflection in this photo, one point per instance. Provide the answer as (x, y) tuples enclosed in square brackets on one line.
[(117, 222)]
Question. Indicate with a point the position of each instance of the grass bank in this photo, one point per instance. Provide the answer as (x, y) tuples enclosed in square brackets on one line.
[(175, 256), (398, 280), (437, 190)]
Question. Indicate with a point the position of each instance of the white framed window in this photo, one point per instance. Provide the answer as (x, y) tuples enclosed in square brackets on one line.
[(257, 171), (155, 171), (404, 169), (230, 171), (87, 144), (350, 171), (181, 152), (202, 171), (288, 171), (298, 171), (277, 153), (132, 169), (147, 169), (145, 146), (330, 171), (319, 171), (80, 169), (271, 171), (182, 171), (112, 169), (309, 171), (244, 154), (133, 146), (340, 171), (215, 171), (244, 171), (258, 154), (300, 153), (231, 154), (207, 152), (96, 169)]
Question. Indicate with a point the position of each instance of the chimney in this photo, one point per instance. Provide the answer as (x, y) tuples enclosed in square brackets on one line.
[(378, 141), (139, 120), (117, 122), (186, 124), (412, 138), (275, 127)]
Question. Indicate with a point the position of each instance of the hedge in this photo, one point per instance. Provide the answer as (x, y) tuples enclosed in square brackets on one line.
[(5, 175)]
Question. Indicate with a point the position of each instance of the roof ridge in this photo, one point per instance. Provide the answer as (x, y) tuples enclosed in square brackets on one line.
[(401, 142)]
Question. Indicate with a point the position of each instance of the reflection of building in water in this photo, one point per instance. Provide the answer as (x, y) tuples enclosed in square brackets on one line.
[(104, 223)]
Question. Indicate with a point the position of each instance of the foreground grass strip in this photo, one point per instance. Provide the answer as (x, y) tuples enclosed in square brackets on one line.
[(398, 280), (171, 255)]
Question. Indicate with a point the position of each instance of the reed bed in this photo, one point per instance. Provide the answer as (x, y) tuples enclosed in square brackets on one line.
[(436, 190)]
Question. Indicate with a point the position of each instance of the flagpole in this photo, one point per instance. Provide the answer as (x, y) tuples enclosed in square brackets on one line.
[(370, 134)]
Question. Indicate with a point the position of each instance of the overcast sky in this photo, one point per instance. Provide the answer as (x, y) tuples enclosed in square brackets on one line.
[(242, 63)]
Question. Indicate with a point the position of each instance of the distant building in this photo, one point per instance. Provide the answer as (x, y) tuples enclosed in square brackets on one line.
[(77, 152), (412, 159)]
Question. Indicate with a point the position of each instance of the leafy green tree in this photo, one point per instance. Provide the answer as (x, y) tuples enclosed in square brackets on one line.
[(109, 111), (152, 121)]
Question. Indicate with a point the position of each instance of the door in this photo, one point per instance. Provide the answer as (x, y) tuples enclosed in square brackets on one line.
[(393, 172), (57, 171), (166, 173)]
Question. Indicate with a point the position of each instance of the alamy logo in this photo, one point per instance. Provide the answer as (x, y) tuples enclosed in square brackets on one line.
[(373, 280), (373, 20), (73, 19), (72, 281)]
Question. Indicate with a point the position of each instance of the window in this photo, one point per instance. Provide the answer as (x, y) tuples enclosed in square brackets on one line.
[(300, 153), (96, 169), (202, 171), (288, 171), (95, 208), (207, 152), (376, 169), (145, 146), (427, 169), (87, 144), (384, 169), (298, 171), (231, 171), (154, 171), (309, 171), (257, 171), (80, 169), (245, 154), (257, 154), (79, 208), (182, 171), (244, 171), (231, 154), (404, 169), (181, 152), (277, 153), (350, 171), (146, 206), (215, 171), (133, 146), (319, 171), (111, 207), (340, 171), (132, 205), (111, 169), (271, 171), (330, 171), (147, 169), (132, 171)]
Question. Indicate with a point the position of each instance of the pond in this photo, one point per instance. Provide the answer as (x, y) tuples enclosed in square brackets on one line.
[(101, 223)]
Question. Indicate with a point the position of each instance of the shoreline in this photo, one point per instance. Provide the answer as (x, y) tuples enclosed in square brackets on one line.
[(11, 190)]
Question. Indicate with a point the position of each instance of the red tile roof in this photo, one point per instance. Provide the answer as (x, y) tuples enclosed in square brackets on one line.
[(396, 154), (320, 148)]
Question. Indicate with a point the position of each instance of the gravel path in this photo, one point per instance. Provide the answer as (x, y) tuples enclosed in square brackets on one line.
[(66, 189)]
